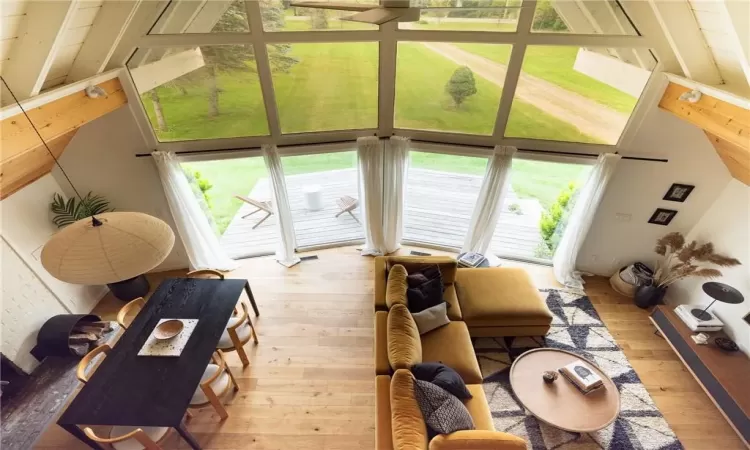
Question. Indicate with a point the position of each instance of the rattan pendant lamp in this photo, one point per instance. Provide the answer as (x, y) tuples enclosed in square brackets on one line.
[(114, 248)]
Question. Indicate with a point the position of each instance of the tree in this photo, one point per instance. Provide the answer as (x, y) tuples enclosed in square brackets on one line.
[(161, 122), (228, 58), (546, 18), (318, 19), (461, 85)]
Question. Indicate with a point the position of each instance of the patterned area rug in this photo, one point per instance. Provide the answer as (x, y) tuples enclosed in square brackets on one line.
[(576, 327)]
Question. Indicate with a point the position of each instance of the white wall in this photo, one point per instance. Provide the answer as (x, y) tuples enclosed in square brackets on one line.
[(637, 189), (27, 225), (101, 159), (727, 224), (26, 305)]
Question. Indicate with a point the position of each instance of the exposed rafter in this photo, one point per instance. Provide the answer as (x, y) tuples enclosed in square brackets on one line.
[(737, 13), (687, 41), (105, 34), (33, 53)]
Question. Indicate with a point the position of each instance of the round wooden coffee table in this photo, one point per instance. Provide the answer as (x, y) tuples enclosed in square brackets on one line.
[(559, 403)]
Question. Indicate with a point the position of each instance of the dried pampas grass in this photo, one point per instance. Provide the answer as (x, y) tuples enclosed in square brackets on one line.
[(681, 260)]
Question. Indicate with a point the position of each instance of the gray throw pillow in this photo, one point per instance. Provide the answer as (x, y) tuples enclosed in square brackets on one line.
[(431, 318), (442, 411)]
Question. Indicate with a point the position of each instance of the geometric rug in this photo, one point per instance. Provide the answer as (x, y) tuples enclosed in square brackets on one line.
[(576, 327)]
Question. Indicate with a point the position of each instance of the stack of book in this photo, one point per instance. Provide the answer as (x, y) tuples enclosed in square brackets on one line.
[(471, 259), (695, 324), (581, 376)]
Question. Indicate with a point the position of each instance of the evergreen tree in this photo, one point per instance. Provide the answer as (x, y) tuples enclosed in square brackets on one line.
[(461, 85)]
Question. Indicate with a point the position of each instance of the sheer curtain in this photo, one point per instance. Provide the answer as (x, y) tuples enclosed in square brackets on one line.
[(580, 220), (395, 167), (490, 201), (287, 242), (370, 166), (200, 240)]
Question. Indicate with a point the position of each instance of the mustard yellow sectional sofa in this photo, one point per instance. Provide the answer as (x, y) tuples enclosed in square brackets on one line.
[(398, 346)]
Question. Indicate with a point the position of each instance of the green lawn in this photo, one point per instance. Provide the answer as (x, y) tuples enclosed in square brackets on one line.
[(464, 26), (530, 179), (555, 64)]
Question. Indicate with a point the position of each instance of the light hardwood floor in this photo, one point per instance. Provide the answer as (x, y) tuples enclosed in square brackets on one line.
[(310, 382)]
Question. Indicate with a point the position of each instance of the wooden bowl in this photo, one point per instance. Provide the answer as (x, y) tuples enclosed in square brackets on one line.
[(168, 329)]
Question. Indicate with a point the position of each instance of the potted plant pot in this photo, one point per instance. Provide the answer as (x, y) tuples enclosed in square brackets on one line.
[(647, 296)]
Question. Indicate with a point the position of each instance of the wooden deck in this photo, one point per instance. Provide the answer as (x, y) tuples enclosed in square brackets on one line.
[(438, 212)]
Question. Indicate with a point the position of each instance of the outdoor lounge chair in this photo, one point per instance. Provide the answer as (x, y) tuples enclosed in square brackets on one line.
[(347, 204), (267, 207)]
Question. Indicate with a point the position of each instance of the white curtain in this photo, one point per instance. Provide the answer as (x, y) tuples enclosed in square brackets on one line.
[(490, 201), (200, 240), (370, 166), (287, 242), (580, 220), (395, 168)]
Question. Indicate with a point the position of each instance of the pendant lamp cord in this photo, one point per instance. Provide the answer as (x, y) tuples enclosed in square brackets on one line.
[(95, 221)]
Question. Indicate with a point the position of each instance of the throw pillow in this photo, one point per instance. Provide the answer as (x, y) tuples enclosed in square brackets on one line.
[(431, 318), (421, 276), (426, 295), (442, 411), (443, 376)]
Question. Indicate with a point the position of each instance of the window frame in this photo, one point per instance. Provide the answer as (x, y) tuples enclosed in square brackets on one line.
[(388, 36)]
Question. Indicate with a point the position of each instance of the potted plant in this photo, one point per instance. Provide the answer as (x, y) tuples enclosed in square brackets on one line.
[(680, 260), (67, 212)]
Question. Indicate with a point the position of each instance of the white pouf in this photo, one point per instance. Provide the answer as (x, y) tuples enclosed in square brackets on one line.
[(313, 197)]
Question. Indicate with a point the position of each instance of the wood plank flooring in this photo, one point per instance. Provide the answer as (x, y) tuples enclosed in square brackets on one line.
[(310, 382)]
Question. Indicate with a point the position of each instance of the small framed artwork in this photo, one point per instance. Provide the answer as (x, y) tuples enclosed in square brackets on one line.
[(662, 216), (678, 192), (747, 318)]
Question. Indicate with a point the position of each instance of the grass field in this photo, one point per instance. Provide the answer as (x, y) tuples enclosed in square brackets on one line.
[(334, 86), (530, 179)]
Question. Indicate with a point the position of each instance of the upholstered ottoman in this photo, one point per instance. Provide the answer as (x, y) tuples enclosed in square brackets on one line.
[(501, 301)]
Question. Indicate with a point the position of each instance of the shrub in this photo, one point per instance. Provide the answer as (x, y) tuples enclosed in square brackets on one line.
[(461, 85), (515, 208), (553, 221), (196, 180)]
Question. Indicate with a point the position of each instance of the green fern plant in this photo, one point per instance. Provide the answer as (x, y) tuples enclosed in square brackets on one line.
[(67, 212)]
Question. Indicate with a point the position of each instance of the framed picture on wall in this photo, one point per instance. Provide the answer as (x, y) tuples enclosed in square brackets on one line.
[(678, 192), (662, 216), (747, 318)]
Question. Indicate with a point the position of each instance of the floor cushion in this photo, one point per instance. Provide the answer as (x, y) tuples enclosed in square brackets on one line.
[(500, 296), (451, 345)]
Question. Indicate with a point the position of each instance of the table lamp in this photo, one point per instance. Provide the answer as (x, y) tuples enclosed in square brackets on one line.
[(717, 291)]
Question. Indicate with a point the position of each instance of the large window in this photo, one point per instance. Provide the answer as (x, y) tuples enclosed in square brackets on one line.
[(323, 195), (465, 72), (205, 92), (244, 226), (535, 211), (441, 190), (436, 88), (326, 86), (576, 94)]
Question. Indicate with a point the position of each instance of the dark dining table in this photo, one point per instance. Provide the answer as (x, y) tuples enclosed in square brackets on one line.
[(155, 391)]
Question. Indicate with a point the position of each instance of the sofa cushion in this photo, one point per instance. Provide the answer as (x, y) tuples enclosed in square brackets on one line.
[(443, 376), (404, 345), (382, 366), (451, 345), (443, 412), (383, 433), (431, 318), (450, 297), (479, 408), (395, 289), (447, 265), (424, 296), (500, 296), (477, 440), (407, 424), (431, 272)]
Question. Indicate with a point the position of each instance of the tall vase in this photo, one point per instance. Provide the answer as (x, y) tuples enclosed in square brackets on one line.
[(648, 296)]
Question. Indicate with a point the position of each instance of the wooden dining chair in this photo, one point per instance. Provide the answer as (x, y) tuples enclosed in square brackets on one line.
[(240, 327), (129, 438), (125, 310), (215, 383), (86, 361)]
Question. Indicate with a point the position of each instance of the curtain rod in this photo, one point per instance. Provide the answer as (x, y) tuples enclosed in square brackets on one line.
[(523, 150)]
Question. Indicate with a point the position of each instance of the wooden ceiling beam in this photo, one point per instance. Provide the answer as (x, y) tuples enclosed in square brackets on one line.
[(23, 157), (726, 125)]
